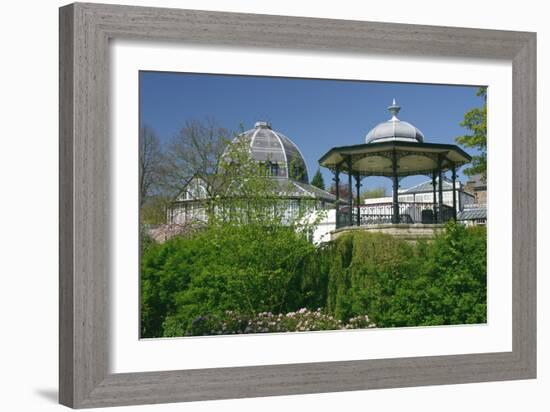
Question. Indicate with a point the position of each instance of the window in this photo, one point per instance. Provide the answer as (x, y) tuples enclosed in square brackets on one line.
[(271, 169), (298, 172)]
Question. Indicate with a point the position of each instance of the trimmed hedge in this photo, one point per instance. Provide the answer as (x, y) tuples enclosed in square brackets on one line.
[(440, 282)]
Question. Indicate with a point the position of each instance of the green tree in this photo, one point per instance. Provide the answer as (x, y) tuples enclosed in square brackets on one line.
[(318, 180), (374, 193), (475, 120), (153, 212), (247, 195)]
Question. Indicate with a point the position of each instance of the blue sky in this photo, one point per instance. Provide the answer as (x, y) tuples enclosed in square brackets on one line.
[(315, 114)]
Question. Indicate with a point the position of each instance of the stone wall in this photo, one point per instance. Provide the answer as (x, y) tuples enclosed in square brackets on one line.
[(408, 232)]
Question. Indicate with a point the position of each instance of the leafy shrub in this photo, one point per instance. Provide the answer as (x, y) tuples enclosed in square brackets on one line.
[(439, 282), (233, 274), (365, 266), (243, 268)]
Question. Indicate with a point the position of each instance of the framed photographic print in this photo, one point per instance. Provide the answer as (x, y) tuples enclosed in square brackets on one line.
[(256, 205)]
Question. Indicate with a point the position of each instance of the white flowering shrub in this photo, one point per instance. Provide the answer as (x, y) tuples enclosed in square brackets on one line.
[(303, 320)]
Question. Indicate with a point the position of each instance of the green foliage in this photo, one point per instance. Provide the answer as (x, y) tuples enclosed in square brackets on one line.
[(247, 195), (318, 180), (456, 272), (247, 268), (189, 285), (145, 239), (440, 282), (374, 193), (366, 271), (153, 211), (475, 120)]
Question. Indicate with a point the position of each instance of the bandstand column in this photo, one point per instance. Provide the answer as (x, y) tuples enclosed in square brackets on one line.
[(350, 193), (435, 197), (440, 189), (358, 205), (454, 191), (395, 203)]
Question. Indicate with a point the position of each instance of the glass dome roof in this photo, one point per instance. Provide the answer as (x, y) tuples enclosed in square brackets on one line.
[(394, 129), (268, 145)]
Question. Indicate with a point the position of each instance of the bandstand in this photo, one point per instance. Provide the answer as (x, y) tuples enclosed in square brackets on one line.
[(394, 149)]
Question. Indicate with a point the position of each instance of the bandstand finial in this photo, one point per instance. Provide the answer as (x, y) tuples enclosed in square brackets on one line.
[(394, 108)]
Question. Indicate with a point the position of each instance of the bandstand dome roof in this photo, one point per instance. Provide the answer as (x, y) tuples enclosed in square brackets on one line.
[(394, 129), (394, 148), (268, 145)]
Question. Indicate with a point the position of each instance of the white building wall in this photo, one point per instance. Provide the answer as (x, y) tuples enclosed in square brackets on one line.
[(462, 198), (328, 224)]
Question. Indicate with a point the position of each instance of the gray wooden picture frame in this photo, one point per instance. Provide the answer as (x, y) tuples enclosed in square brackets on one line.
[(85, 32)]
